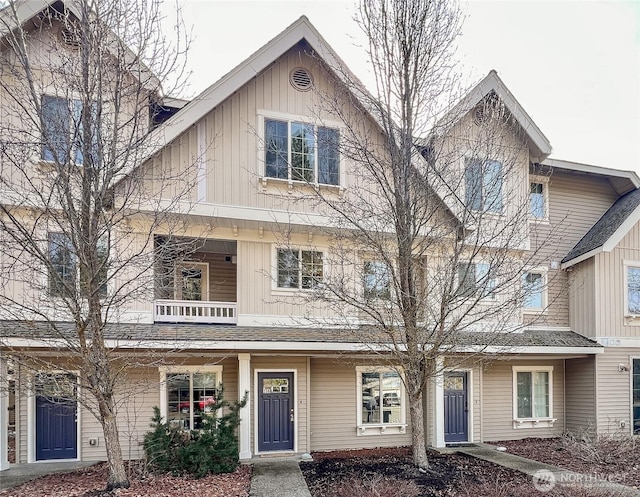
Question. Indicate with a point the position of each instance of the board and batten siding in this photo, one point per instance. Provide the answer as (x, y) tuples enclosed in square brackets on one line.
[(583, 310), (614, 390), (580, 394), (497, 401), (576, 202), (611, 288), (333, 407)]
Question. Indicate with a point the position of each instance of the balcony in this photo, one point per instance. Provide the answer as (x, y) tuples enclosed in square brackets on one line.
[(190, 311), (201, 287)]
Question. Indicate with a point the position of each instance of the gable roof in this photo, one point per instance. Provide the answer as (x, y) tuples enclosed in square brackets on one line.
[(22, 11), (608, 231), (538, 144)]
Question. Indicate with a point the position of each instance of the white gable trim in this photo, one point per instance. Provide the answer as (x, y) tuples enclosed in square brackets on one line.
[(587, 168), (611, 243)]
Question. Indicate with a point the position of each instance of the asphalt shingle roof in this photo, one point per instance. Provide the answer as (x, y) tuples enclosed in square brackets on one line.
[(606, 225), (183, 333)]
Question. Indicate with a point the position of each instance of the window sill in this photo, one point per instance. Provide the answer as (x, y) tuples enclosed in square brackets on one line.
[(292, 292), (534, 423), (381, 429), (295, 184), (539, 220), (534, 310)]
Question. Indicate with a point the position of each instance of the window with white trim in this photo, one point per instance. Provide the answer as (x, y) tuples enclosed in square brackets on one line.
[(483, 185), (537, 203), (189, 395), (376, 280), (300, 151), (632, 290), (62, 131), (532, 395), (533, 289), (380, 397), (297, 268), (475, 278)]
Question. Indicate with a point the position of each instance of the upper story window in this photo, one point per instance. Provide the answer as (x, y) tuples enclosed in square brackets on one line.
[(475, 279), (302, 269), (377, 280), (533, 285), (536, 201), (633, 290), (63, 270), (301, 152), (62, 129), (483, 185)]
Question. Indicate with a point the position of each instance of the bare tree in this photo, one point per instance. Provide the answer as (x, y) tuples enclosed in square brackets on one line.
[(81, 86), (433, 234)]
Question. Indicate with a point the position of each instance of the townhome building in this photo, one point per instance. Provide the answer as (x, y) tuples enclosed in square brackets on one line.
[(247, 155)]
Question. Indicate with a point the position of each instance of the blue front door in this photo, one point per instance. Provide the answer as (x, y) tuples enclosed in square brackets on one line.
[(456, 416), (56, 425), (275, 411)]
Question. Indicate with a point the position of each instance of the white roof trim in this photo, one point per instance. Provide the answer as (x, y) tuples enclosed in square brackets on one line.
[(291, 346), (611, 243), (492, 82), (587, 168)]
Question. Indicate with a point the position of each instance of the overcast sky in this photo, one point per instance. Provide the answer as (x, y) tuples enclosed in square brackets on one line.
[(573, 65)]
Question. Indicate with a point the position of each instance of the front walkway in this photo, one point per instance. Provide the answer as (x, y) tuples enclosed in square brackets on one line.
[(18, 474), (545, 476), (277, 477)]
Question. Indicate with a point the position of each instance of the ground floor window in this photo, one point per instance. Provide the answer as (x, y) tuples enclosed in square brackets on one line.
[(380, 395), (189, 395), (532, 394), (636, 396)]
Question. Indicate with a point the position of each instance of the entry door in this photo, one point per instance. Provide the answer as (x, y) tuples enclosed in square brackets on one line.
[(275, 411), (456, 415), (56, 424)]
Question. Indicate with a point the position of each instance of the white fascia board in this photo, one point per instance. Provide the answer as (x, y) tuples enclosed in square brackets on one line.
[(581, 258), (587, 168), (291, 346)]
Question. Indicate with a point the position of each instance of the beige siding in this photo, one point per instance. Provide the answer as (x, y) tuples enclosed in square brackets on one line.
[(582, 298), (576, 202), (334, 410), (580, 391), (497, 401), (611, 287), (614, 390)]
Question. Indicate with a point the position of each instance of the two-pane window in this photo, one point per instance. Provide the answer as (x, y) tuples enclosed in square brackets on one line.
[(63, 268), (533, 397), (633, 290), (299, 268), (380, 395), (537, 208), (377, 280), (483, 186), (474, 279), (63, 131), (301, 152), (533, 290), (190, 398)]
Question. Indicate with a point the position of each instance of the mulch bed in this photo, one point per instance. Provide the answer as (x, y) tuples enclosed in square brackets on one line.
[(615, 459), (390, 473), (90, 482)]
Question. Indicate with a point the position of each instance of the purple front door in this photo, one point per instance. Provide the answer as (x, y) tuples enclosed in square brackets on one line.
[(456, 415), (275, 411), (56, 424)]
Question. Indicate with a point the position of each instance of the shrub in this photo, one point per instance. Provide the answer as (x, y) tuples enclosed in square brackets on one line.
[(377, 486), (212, 449)]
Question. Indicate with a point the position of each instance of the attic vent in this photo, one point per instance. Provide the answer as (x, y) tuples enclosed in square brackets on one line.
[(69, 38), (301, 79), (480, 115)]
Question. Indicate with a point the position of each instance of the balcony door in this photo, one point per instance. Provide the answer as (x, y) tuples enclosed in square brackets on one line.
[(192, 281)]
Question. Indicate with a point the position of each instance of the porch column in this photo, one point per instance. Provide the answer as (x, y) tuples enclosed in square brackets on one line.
[(244, 385), (4, 414), (439, 403)]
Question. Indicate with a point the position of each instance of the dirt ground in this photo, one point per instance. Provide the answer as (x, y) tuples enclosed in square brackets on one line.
[(389, 472), (89, 482)]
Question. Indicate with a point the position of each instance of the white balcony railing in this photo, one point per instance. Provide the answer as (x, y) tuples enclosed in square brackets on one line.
[(194, 311)]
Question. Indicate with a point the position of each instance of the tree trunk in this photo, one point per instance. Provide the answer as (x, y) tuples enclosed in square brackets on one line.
[(117, 474), (418, 440)]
